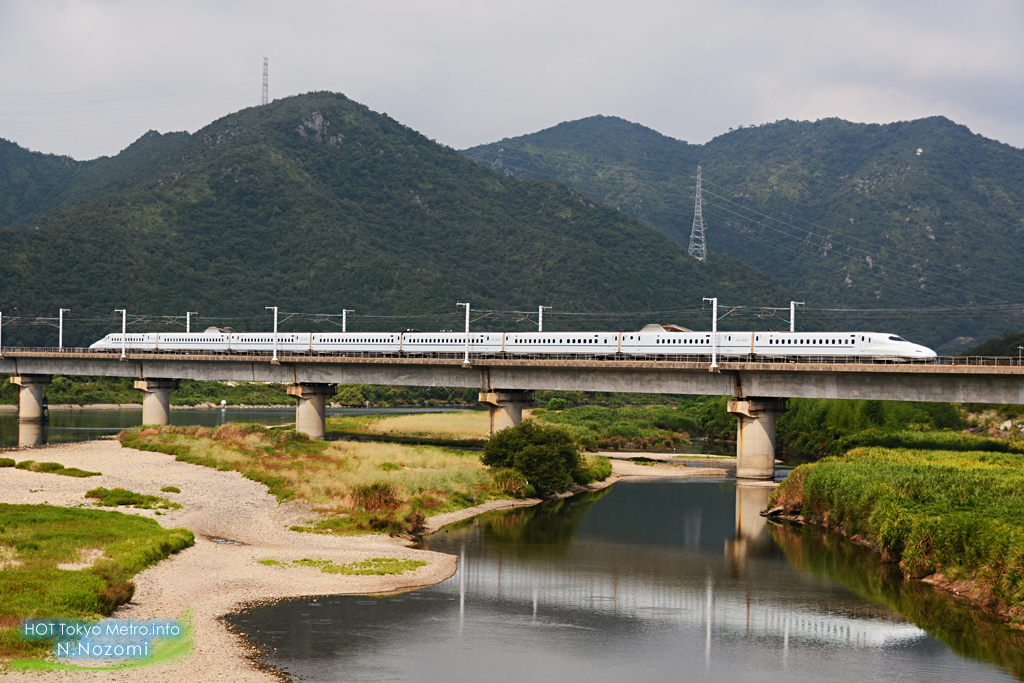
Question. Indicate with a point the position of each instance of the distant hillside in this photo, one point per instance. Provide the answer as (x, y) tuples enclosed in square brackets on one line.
[(315, 203), (1007, 345), (32, 183), (900, 216)]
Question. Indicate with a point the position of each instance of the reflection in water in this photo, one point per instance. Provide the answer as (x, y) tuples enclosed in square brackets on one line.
[(31, 434), (965, 629), (658, 580)]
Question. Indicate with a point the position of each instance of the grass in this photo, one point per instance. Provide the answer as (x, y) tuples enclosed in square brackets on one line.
[(373, 566), (955, 513), (171, 489), (35, 539), (361, 487), (118, 497), (462, 428), (54, 468), (461, 425), (6, 462), (658, 428)]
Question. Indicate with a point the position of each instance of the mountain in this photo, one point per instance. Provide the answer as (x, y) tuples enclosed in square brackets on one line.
[(893, 218), (33, 183), (315, 203)]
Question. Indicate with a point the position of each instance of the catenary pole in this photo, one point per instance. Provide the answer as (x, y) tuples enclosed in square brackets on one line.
[(465, 359), (714, 332), (792, 314), (540, 317), (60, 328), (124, 331), (344, 318), (188, 320), (274, 309)]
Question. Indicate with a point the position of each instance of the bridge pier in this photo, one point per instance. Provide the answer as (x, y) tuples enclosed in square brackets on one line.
[(506, 407), (31, 401), (156, 400), (755, 436), (311, 408)]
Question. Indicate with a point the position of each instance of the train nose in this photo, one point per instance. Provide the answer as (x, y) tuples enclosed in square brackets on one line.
[(925, 352)]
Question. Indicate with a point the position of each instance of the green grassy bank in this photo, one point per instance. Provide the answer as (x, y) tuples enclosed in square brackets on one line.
[(71, 563), (954, 514)]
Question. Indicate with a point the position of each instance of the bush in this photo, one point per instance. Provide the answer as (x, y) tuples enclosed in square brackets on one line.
[(6, 462), (379, 495), (512, 483), (556, 404), (545, 455)]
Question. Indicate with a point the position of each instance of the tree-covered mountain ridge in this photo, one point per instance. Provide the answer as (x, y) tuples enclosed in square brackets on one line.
[(315, 203), (900, 217), (32, 183)]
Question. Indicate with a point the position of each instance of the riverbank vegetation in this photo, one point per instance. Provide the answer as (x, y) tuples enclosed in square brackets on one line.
[(954, 515), (545, 459), (468, 428), (51, 468), (635, 428), (358, 487), (71, 563)]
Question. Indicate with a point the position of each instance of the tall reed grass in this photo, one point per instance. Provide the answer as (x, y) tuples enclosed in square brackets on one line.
[(956, 513)]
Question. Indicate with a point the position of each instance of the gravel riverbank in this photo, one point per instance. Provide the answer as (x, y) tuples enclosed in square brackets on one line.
[(214, 578)]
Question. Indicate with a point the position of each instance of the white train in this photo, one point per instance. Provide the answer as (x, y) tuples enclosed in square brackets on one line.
[(652, 340)]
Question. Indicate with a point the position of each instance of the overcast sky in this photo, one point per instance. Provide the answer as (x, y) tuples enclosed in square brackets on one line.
[(87, 77)]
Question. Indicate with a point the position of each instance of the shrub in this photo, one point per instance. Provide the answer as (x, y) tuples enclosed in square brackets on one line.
[(6, 462), (48, 467), (511, 483), (171, 489), (546, 455), (556, 404), (25, 464), (379, 495), (599, 469)]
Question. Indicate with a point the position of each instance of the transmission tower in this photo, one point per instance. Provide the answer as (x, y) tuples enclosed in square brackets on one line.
[(266, 90), (697, 248)]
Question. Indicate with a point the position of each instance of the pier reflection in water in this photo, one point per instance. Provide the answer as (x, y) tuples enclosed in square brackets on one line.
[(658, 580)]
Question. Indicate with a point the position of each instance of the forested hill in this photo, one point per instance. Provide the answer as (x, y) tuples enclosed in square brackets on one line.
[(32, 183), (918, 214), (314, 204)]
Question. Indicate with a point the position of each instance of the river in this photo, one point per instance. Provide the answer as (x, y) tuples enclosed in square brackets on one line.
[(84, 425), (649, 580)]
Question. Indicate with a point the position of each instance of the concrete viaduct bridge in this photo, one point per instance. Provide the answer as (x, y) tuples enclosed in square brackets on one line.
[(505, 385)]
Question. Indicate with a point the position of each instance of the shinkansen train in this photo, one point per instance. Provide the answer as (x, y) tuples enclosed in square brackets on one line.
[(652, 340)]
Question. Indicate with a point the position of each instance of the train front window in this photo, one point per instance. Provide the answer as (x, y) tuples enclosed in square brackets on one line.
[(899, 339)]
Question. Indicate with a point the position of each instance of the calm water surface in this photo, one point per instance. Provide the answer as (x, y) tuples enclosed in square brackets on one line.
[(645, 581), (84, 425)]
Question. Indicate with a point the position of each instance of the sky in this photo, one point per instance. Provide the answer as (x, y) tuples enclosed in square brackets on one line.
[(86, 78)]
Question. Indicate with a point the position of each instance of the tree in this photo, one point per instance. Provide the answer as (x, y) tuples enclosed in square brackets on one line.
[(350, 396), (544, 454)]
